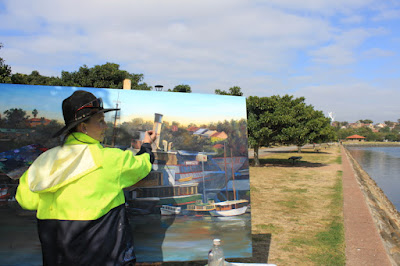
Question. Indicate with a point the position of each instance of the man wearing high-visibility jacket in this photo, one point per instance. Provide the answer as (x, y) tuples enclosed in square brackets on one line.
[(77, 190)]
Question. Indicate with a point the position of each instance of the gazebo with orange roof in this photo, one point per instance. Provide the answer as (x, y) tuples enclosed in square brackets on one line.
[(355, 138)]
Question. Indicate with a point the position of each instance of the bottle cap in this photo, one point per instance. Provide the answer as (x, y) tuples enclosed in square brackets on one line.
[(217, 242)]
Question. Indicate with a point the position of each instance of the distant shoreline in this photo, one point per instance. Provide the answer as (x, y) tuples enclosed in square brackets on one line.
[(372, 144)]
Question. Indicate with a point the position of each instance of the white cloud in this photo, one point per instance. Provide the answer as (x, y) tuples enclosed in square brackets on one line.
[(378, 52), (387, 14), (342, 49), (353, 101), (265, 47)]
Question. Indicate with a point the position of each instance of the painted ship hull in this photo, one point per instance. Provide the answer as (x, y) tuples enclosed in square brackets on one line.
[(230, 208), (167, 210), (228, 213)]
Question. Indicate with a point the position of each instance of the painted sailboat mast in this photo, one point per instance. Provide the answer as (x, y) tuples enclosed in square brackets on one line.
[(226, 174), (233, 178), (204, 182)]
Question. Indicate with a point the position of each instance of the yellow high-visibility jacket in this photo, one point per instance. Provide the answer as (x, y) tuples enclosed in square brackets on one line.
[(80, 180)]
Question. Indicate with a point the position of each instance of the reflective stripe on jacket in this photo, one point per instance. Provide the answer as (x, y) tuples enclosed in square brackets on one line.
[(80, 180)]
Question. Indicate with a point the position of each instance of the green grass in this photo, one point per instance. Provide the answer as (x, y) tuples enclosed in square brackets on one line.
[(270, 228), (330, 242), (294, 202)]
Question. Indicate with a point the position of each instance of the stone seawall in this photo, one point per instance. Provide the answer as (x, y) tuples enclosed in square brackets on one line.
[(384, 214), (372, 144)]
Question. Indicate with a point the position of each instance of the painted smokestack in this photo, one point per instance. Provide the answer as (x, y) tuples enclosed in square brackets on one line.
[(157, 129)]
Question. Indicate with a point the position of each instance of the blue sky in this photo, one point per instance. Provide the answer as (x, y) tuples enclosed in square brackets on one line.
[(343, 56), (180, 107)]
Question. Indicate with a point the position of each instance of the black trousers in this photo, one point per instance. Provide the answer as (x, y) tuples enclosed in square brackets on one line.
[(106, 241)]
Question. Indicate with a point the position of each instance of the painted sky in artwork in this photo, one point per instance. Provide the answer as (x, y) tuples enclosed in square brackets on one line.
[(180, 107)]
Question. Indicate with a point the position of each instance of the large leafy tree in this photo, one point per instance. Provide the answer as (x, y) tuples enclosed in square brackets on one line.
[(259, 116), (5, 70), (102, 76), (235, 91), (285, 120), (267, 119), (305, 125)]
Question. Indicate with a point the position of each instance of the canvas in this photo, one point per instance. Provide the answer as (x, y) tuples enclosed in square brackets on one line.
[(198, 188)]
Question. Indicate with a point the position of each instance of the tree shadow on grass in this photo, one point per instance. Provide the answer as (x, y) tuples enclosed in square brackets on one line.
[(260, 242), (269, 162)]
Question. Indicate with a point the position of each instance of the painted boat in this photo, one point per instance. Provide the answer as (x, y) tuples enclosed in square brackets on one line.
[(200, 208), (184, 167), (230, 208), (170, 210)]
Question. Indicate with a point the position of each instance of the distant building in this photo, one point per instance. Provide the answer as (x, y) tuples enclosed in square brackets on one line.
[(219, 136), (34, 122), (355, 138), (218, 146)]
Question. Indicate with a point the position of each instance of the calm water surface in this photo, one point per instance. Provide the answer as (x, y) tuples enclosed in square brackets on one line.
[(180, 238), (383, 165)]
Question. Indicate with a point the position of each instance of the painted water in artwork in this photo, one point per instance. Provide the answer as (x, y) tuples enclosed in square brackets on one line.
[(198, 189)]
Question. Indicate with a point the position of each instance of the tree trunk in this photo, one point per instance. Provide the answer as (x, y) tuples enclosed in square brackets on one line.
[(256, 161), (299, 149)]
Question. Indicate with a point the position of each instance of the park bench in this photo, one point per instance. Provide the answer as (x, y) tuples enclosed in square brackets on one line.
[(295, 158)]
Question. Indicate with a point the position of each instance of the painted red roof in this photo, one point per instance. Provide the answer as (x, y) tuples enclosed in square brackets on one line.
[(219, 135), (193, 128), (355, 137), (33, 122)]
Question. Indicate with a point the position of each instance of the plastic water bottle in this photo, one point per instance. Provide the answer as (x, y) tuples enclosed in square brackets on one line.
[(216, 255)]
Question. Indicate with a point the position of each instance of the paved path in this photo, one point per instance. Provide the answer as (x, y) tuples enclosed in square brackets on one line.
[(364, 245)]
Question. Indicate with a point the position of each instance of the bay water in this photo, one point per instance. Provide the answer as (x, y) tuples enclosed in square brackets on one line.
[(383, 165)]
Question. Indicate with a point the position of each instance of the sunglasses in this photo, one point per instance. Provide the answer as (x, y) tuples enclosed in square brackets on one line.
[(96, 103)]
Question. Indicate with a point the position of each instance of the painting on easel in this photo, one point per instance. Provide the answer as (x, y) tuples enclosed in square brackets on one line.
[(198, 188)]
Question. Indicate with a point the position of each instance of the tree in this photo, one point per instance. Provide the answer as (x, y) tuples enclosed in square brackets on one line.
[(5, 70), (19, 78), (306, 126), (235, 91), (365, 121), (181, 88), (285, 120), (35, 113), (16, 118), (260, 128), (392, 136), (389, 123), (385, 129), (102, 76)]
